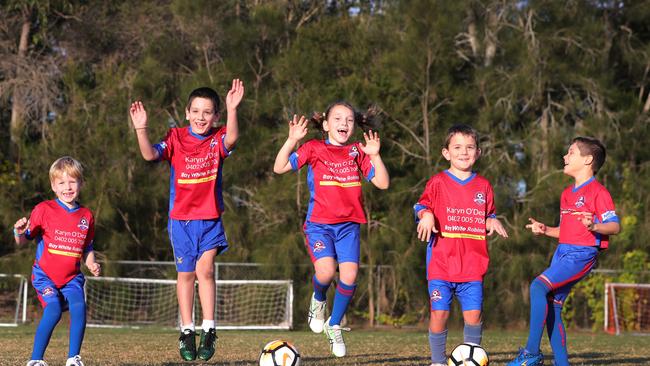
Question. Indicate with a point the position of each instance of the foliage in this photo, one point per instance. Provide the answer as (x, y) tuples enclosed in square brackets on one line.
[(529, 75)]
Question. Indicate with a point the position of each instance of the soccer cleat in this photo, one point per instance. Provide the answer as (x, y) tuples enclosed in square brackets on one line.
[(187, 345), (525, 358), (334, 334), (36, 363), (316, 315), (74, 361), (207, 344)]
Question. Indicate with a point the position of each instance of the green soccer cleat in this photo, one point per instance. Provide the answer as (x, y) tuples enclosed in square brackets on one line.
[(207, 344), (187, 345)]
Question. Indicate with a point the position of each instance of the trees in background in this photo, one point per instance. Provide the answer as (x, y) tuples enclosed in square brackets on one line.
[(529, 75)]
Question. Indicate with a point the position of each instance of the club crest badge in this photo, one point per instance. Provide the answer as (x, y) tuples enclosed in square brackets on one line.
[(354, 152), (580, 202), (436, 295), (479, 198), (83, 224), (319, 246), (48, 291), (213, 143)]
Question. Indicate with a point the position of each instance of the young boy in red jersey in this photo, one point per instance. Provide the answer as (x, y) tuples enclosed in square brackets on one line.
[(587, 218), (454, 214), (335, 210), (64, 232), (195, 154)]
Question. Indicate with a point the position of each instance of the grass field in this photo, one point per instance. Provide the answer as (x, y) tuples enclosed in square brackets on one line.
[(365, 347)]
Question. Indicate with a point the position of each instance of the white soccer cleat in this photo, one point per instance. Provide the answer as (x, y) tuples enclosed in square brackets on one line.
[(316, 317), (74, 361), (36, 363), (334, 334)]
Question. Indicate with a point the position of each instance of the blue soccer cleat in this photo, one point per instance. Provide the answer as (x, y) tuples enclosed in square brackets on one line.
[(525, 358)]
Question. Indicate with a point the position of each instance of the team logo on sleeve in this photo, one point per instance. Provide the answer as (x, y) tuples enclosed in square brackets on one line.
[(83, 224), (436, 295), (354, 152), (580, 202), (608, 215), (479, 198)]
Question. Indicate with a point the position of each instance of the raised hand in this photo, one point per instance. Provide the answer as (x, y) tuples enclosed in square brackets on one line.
[(297, 128), (235, 94), (536, 227), (138, 115), (372, 145)]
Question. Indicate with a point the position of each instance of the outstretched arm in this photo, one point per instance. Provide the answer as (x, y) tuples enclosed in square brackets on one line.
[(381, 179), (19, 230), (234, 97), (139, 118), (539, 228), (297, 130)]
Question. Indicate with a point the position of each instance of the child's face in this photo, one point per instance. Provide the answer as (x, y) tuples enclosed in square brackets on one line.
[(66, 189), (575, 162), (461, 153), (339, 125), (201, 115)]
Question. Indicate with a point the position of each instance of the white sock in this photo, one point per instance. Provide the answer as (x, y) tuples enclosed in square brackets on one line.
[(207, 325), (188, 326)]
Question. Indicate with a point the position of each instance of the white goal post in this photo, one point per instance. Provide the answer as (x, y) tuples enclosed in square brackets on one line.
[(13, 299), (627, 308), (136, 302)]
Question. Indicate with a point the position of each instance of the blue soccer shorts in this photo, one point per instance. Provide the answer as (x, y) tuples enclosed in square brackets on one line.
[(569, 265), (340, 241), (469, 294), (47, 291), (191, 238)]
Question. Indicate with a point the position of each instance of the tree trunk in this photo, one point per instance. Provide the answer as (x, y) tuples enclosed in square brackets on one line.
[(17, 107)]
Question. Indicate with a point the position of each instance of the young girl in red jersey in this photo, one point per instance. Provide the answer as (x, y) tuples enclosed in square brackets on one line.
[(335, 210)]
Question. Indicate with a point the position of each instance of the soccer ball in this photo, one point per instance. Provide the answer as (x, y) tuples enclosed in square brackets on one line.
[(279, 353), (468, 354)]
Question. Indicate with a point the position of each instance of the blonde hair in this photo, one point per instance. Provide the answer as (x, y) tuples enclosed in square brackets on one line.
[(69, 165)]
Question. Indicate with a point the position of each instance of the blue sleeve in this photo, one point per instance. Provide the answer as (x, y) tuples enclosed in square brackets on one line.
[(371, 174), (416, 210), (293, 159)]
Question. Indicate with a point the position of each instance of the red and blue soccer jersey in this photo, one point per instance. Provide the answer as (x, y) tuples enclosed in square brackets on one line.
[(590, 197), (460, 207), (63, 235), (195, 180), (334, 180)]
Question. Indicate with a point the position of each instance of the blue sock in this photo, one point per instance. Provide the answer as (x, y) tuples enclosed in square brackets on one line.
[(557, 336), (320, 290), (341, 301), (538, 313), (51, 316), (437, 345), (472, 333), (77, 307)]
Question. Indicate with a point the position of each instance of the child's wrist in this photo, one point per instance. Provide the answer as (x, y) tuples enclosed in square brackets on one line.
[(17, 234), (141, 128)]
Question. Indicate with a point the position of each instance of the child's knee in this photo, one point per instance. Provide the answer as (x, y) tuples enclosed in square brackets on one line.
[(538, 288), (472, 317)]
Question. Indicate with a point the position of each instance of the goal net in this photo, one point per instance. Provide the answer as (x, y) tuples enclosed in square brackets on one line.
[(135, 302), (13, 299), (627, 308)]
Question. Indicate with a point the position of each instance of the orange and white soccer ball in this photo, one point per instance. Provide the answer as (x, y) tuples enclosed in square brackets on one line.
[(279, 353), (468, 354)]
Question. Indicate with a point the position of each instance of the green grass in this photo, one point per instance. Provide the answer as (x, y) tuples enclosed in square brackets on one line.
[(156, 346)]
